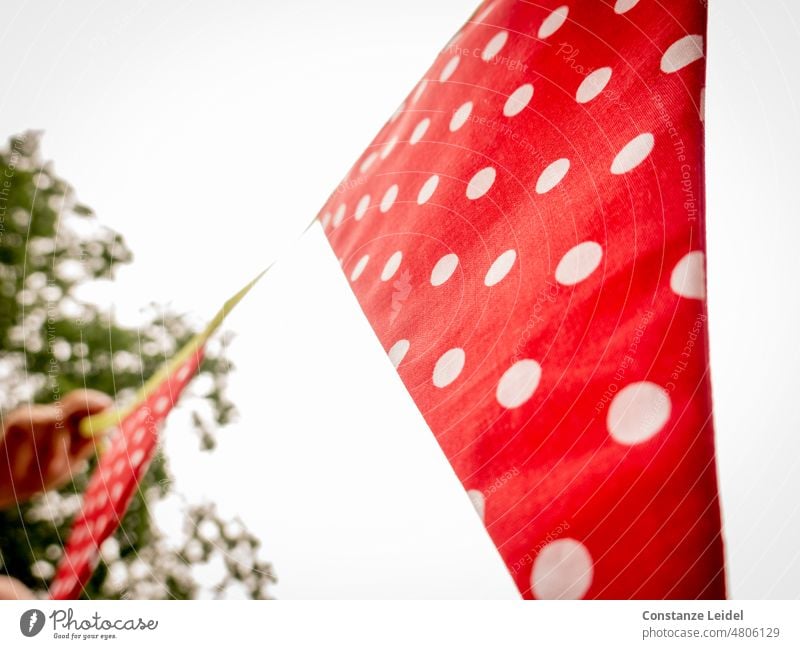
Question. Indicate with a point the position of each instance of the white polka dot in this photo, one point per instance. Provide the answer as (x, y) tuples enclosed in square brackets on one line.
[(142, 414), (633, 154), (578, 263), (689, 276), (162, 405), (99, 526), (444, 269), (552, 175), (448, 69), (359, 268), (681, 53), (116, 492), (387, 148), (138, 436), (494, 46), (391, 266), (102, 499), (593, 85), (484, 14), (518, 99), (398, 352), (553, 22), (419, 131), (500, 267), (338, 216), (361, 208), (427, 189), (420, 89), (136, 457), (325, 220), (183, 373), (478, 502), (368, 161), (389, 198), (119, 466), (562, 570), (448, 367), (481, 182), (461, 116), (518, 383), (637, 412), (625, 5)]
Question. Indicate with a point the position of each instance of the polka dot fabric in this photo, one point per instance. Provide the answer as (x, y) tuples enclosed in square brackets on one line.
[(538, 199), (115, 480)]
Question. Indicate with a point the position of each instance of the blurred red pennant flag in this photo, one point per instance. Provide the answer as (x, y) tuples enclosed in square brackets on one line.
[(526, 236), (122, 466), (115, 480)]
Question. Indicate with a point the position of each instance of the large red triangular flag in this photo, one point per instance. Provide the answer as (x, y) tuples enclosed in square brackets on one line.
[(526, 237)]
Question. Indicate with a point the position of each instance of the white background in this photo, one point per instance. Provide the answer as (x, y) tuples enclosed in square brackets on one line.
[(233, 122)]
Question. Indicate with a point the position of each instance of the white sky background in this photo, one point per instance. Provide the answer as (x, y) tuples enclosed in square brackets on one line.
[(232, 122)]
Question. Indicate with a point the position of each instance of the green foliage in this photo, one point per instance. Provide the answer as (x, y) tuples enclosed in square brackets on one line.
[(52, 342)]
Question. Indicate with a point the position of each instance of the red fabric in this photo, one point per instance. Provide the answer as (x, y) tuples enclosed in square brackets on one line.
[(570, 392), (115, 480)]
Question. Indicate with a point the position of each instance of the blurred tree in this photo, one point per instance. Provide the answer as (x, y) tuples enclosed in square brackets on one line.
[(52, 342)]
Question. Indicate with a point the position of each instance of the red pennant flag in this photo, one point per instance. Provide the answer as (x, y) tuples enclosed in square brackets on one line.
[(526, 237), (120, 469), (115, 480)]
